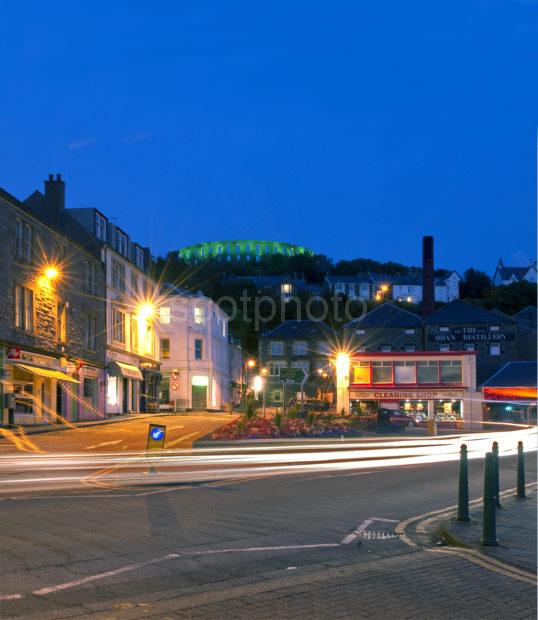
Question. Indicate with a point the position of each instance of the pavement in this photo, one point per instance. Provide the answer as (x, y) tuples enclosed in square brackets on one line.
[(322, 544)]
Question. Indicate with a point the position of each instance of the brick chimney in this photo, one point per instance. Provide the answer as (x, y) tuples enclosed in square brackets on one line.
[(54, 194), (428, 284)]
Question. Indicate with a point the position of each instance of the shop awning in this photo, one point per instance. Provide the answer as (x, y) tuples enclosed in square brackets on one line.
[(47, 373), (121, 369)]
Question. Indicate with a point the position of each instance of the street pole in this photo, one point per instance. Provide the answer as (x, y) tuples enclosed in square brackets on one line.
[(489, 533), (495, 452), (463, 490), (520, 472), (264, 381)]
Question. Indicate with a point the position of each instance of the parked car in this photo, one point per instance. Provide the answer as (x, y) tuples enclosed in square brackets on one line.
[(398, 418)]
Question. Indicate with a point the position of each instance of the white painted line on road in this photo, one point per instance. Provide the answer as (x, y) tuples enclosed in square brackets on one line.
[(356, 533), (253, 549), (10, 597), (104, 443), (110, 573), (387, 520)]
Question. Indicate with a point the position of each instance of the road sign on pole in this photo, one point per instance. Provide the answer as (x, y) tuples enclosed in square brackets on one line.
[(291, 375), (156, 436)]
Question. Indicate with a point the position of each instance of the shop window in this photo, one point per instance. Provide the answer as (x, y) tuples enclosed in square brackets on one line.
[(404, 372), (428, 372), (61, 323), (381, 372), (198, 349), (495, 349), (24, 308), (165, 348), (90, 390), (451, 371), (361, 372)]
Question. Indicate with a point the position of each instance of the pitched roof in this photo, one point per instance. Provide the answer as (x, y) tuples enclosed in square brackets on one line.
[(519, 273), (527, 317), (387, 315), (460, 312), (358, 279), (273, 281), (514, 374), (304, 330)]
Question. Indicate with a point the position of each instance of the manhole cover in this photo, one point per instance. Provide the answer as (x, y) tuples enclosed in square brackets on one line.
[(377, 535)]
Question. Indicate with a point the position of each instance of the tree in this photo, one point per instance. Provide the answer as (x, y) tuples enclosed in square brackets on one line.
[(476, 284)]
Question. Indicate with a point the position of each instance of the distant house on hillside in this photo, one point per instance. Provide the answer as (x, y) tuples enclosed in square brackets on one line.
[(409, 288), (284, 285), (507, 275), (361, 286)]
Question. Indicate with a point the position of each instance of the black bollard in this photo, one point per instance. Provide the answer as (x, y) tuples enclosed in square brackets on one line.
[(520, 472), (463, 488), (495, 452), (489, 534)]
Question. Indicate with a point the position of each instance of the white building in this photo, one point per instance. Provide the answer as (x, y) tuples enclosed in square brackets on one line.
[(507, 275), (201, 366), (409, 288), (132, 355)]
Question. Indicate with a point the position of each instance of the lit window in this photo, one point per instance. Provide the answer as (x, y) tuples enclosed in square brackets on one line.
[(199, 317), (165, 348), (277, 347), (118, 325), (164, 316), (404, 372), (61, 323), (494, 328), (469, 347), (444, 329), (286, 289), (361, 372), (299, 347), (409, 331), (494, 349)]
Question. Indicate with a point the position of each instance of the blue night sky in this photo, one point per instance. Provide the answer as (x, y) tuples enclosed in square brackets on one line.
[(351, 127)]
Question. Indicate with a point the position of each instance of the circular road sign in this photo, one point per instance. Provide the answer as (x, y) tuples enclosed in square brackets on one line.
[(157, 434)]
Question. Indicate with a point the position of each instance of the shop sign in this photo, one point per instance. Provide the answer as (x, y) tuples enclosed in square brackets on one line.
[(405, 394), (471, 334), (14, 353), (510, 394)]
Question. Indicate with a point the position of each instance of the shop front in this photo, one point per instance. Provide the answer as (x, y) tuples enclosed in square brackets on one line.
[(510, 395), (422, 386), (149, 397), (123, 391)]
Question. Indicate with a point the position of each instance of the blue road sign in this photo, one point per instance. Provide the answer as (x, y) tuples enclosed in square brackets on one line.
[(157, 434)]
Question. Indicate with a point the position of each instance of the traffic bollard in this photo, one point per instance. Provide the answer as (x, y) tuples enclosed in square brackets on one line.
[(463, 488), (520, 472), (489, 534), (495, 452)]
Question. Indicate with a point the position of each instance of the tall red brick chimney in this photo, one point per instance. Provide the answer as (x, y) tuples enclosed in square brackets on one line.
[(428, 284)]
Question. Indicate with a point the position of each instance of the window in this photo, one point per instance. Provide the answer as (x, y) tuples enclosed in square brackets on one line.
[(444, 348), (274, 368), (23, 241), (360, 332), (134, 283), (302, 364), (199, 315), (285, 289), (409, 331), (451, 371), (428, 372), (410, 348), (89, 278), (122, 243), (90, 332), (444, 329), (404, 372), (469, 347), (134, 334), (164, 316), (118, 325), (198, 349), (299, 347), (100, 226), (361, 372), (276, 396), (24, 308), (386, 348), (340, 287), (139, 257), (381, 372), (494, 328), (495, 349), (165, 348), (89, 387), (61, 323), (118, 276), (276, 347), (224, 329)]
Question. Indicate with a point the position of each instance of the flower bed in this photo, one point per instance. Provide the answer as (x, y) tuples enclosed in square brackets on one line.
[(266, 428)]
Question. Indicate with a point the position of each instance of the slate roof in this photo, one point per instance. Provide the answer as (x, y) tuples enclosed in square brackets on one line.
[(303, 330), (460, 312), (507, 272), (514, 374), (359, 278), (527, 317), (387, 315)]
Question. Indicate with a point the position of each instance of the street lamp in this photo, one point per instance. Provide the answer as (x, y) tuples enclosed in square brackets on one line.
[(342, 363), (51, 272), (264, 372)]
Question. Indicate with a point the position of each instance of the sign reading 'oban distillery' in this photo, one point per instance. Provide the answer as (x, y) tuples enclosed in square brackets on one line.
[(471, 334)]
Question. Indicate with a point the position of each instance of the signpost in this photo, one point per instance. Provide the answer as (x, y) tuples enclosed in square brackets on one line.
[(294, 375), (156, 437)]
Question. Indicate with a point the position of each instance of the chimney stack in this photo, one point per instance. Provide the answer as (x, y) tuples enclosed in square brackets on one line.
[(54, 194), (428, 285)]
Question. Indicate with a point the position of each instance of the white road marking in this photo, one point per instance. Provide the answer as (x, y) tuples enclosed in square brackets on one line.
[(252, 549), (110, 573), (356, 533), (104, 443), (10, 597), (387, 520)]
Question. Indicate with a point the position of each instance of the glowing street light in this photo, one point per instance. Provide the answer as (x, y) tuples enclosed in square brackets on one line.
[(384, 288), (146, 311), (51, 272), (251, 363), (342, 363)]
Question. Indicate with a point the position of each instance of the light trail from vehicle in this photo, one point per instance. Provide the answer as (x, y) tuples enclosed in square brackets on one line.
[(43, 472)]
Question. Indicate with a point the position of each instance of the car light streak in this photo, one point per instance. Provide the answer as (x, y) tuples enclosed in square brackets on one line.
[(33, 472)]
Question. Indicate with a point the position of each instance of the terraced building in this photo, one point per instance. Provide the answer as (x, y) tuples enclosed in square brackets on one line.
[(239, 249)]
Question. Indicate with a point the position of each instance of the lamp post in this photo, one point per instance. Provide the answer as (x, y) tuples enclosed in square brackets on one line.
[(342, 382), (264, 372)]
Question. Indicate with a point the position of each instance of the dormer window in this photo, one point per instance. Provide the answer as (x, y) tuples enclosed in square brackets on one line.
[(100, 226), (139, 257), (122, 243)]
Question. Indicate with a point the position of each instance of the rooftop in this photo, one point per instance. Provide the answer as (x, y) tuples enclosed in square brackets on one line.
[(514, 374), (462, 312), (387, 315), (303, 330)]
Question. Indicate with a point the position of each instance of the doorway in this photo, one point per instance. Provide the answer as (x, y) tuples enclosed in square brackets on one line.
[(199, 397), (59, 395), (125, 395)]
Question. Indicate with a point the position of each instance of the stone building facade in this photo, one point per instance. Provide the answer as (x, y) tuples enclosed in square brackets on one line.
[(52, 311)]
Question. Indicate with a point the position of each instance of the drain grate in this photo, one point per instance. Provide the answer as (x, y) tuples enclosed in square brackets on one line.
[(378, 535)]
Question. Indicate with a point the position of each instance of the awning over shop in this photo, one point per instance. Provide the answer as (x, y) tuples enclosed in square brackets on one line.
[(121, 369), (47, 373)]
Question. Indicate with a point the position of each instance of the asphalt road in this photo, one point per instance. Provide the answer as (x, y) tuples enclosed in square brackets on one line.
[(275, 546)]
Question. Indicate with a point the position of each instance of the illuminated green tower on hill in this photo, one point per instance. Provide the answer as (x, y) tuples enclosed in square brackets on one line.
[(239, 249)]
